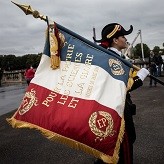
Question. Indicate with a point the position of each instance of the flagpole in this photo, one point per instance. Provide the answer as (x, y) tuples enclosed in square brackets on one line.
[(27, 9), (143, 58)]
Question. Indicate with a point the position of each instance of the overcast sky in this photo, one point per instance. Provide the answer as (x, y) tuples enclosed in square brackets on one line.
[(21, 34)]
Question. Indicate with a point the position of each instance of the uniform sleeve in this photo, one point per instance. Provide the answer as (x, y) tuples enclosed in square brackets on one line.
[(137, 83)]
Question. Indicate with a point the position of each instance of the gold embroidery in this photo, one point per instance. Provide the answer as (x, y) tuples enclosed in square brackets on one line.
[(28, 101), (116, 67), (104, 122)]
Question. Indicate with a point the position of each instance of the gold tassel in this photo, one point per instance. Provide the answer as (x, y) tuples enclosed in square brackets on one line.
[(54, 49), (55, 61)]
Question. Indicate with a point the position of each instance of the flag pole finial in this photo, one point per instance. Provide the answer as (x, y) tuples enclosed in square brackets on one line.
[(29, 11)]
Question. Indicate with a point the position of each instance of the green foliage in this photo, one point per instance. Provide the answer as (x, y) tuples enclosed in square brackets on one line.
[(138, 51), (12, 62)]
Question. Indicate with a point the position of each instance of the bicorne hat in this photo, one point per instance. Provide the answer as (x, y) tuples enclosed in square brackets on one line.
[(113, 30)]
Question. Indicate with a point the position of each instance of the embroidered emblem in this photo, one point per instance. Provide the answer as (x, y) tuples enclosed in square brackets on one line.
[(28, 101), (101, 124), (116, 67)]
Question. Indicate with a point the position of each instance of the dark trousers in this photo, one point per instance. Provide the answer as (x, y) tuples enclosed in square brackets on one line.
[(126, 147), (28, 80), (126, 151), (153, 71)]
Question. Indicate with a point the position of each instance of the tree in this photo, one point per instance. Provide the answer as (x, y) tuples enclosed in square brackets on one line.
[(138, 51), (8, 62), (11, 62), (33, 60), (1, 59)]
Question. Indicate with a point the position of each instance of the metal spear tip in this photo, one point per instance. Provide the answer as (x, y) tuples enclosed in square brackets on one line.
[(26, 8), (29, 11)]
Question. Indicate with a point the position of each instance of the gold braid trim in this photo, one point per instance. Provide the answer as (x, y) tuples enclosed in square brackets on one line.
[(119, 141), (70, 142), (114, 31)]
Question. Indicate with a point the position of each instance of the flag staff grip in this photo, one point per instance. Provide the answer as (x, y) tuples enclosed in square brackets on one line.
[(151, 76), (29, 11)]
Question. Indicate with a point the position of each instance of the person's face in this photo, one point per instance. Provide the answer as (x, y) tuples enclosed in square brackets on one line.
[(120, 42)]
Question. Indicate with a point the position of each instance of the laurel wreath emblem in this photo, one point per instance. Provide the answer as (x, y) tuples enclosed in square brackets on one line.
[(116, 67), (100, 133), (28, 101)]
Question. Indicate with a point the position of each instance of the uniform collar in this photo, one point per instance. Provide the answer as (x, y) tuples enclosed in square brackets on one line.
[(115, 50)]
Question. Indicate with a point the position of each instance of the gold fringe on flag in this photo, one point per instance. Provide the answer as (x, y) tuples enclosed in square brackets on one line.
[(72, 143), (119, 141)]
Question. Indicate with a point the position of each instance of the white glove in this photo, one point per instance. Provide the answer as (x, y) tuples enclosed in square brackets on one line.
[(142, 73)]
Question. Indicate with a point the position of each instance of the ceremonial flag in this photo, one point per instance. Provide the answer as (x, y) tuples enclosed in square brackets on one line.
[(80, 101)]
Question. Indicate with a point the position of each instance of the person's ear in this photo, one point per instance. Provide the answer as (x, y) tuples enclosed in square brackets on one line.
[(115, 40)]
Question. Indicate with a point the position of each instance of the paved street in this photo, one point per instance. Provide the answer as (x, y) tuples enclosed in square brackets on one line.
[(10, 97), (149, 122), (26, 146)]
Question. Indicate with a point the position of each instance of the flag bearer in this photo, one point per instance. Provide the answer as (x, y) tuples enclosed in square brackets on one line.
[(113, 39)]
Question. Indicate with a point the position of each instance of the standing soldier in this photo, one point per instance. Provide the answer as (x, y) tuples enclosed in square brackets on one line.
[(113, 39)]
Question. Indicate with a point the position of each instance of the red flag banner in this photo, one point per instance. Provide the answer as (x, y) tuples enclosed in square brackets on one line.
[(81, 102)]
